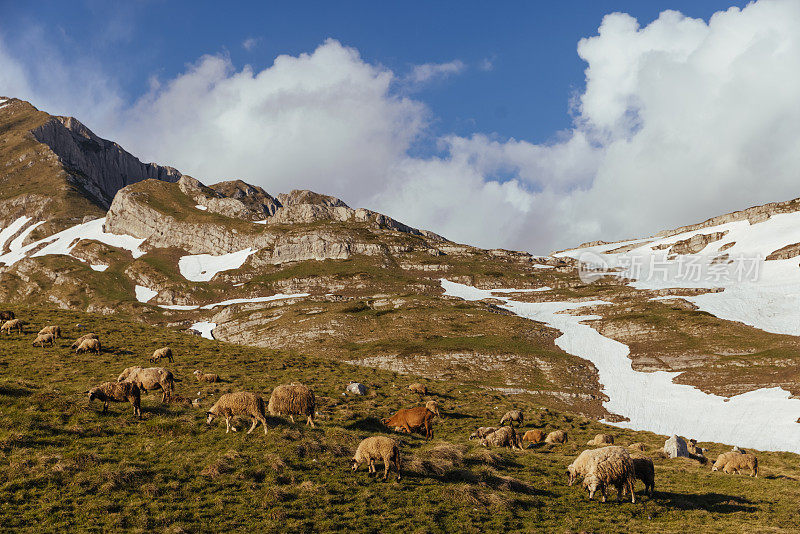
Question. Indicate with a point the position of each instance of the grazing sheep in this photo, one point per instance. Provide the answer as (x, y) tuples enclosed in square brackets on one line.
[(52, 329), (644, 470), (556, 436), (293, 399), (738, 462), (117, 392), (150, 379), (602, 439), (412, 419), (7, 315), (418, 388), (89, 345), (12, 324), (722, 459), (43, 339), (205, 377), (585, 462), (638, 446), (505, 436), (533, 436), (434, 407), (616, 470), (482, 432), (694, 450), (241, 403), (90, 335), (163, 352), (513, 416), (378, 447)]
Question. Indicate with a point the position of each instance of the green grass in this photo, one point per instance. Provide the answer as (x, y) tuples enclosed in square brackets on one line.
[(64, 466)]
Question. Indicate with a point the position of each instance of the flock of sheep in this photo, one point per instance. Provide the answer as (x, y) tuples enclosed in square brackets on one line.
[(601, 468)]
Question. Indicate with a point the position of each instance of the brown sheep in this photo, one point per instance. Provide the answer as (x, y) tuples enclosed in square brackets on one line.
[(505, 436), (89, 345), (163, 352), (7, 315), (418, 388), (293, 399), (90, 335), (12, 324), (375, 447), (533, 436), (52, 329), (482, 432), (645, 471), (417, 419), (205, 377), (722, 459), (740, 463), (241, 403), (556, 436), (513, 416), (617, 470), (150, 379), (638, 446), (44, 339), (117, 392), (602, 439)]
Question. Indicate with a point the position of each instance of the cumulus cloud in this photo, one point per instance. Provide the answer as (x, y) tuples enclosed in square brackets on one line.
[(680, 120), (428, 72)]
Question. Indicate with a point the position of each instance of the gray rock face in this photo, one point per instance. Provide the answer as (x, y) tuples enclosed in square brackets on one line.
[(355, 388), (675, 447), (99, 166)]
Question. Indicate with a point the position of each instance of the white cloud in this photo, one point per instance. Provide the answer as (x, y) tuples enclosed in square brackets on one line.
[(428, 72), (679, 121), (250, 43)]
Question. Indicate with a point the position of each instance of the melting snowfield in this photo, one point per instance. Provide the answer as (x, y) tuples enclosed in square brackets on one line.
[(764, 419), (205, 328), (203, 267)]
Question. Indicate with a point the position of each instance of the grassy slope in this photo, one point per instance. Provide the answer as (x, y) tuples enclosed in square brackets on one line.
[(64, 465)]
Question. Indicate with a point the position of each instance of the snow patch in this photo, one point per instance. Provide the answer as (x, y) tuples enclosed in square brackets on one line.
[(278, 296), (201, 207), (181, 307), (203, 267), (99, 268), (763, 419), (264, 221), (144, 294), (205, 328)]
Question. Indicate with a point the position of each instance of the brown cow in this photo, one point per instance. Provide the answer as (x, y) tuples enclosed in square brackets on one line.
[(417, 419)]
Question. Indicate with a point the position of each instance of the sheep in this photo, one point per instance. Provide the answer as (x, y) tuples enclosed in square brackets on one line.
[(638, 446), (89, 345), (412, 419), (585, 462), (150, 379), (513, 416), (722, 459), (615, 470), (434, 407), (556, 436), (163, 352), (241, 403), (693, 449), (43, 339), (418, 388), (737, 449), (117, 392), (644, 470), (205, 377), (375, 447), (6, 315), (739, 462), (293, 399), (52, 329), (12, 324), (505, 436), (482, 432), (90, 335), (533, 436), (602, 439)]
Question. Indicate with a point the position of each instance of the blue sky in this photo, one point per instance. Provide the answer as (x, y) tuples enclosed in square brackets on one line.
[(523, 125), (531, 46)]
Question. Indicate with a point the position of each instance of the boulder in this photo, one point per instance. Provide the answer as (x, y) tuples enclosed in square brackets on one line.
[(354, 388), (675, 447)]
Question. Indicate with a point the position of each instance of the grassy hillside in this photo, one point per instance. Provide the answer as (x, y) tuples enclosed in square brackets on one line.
[(63, 465)]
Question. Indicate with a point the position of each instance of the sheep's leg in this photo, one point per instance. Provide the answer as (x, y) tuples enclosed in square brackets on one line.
[(371, 466), (227, 425), (255, 422), (105, 407), (386, 462), (603, 493), (291, 418), (310, 421)]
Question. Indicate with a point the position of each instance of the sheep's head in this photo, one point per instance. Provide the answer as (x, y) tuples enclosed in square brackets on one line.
[(592, 484), (197, 372), (356, 463), (210, 417), (92, 394), (572, 474)]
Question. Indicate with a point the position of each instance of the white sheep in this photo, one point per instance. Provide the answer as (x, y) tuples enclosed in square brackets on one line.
[(616, 470), (241, 403), (513, 416), (293, 399), (378, 447)]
